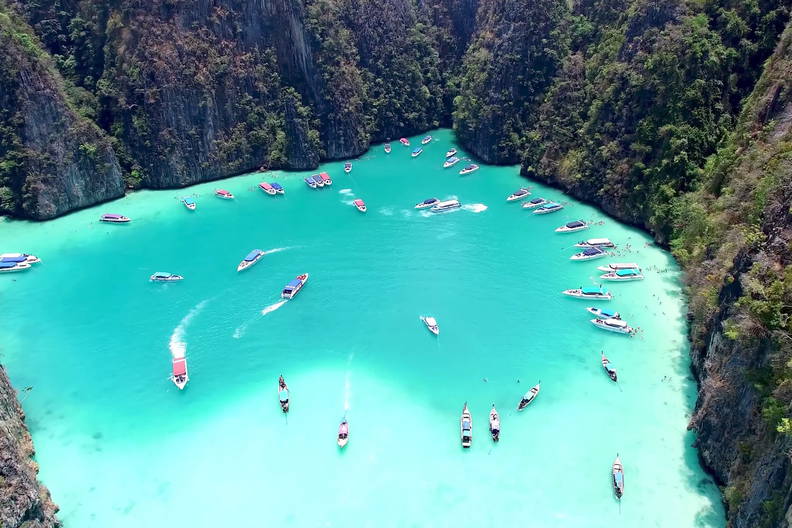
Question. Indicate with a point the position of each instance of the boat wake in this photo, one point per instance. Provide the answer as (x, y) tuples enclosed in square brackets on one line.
[(475, 208), (278, 249), (177, 344), (240, 330), (387, 211), (273, 307), (345, 192)]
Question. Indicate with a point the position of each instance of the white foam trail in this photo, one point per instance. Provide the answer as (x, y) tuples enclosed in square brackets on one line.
[(475, 208), (387, 211), (240, 330), (177, 344), (406, 213), (345, 191), (273, 307), (277, 250)]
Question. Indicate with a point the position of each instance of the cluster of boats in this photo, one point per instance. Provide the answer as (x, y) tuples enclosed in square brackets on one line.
[(320, 180), (13, 262), (540, 206), (466, 420), (275, 188), (438, 206)]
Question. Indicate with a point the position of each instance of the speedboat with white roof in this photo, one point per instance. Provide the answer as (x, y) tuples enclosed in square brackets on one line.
[(588, 254), (529, 396), (468, 169), (294, 286), (623, 275), (548, 208), (519, 194), (572, 227), (613, 325), (451, 152), (189, 203), (267, 188), (164, 276), (431, 324), (603, 314), (114, 219), (179, 375), (225, 195), (429, 202), (445, 206), (534, 202), (11, 267), (619, 265), (450, 162), (251, 258), (19, 257), (326, 178), (591, 292), (596, 242), (466, 427)]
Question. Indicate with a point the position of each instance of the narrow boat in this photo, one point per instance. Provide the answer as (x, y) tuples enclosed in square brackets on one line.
[(225, 195), (466, 427), (343, 433), (534, 202), (278, 188), (19, 257), (519, 194), (572, 227), (179, 374), (603, 314), (614, 325), (416, 152), (588, 254), (360, 205), (11, 267), (431, 324), (468, 169), (426, 139), (164, 276), (619, 265), (114, 219), (547, 208), (326, 178), (596, 242), (347, 167), (189, 203), (589, 293), (529, 396), (447, 205), (618, 477), (309, 182), (623, 275), (429, 202), (267, 188), (251, 258), (494, 424), (283, 394), (609, 368), (405, 142), (387, 148), (450, 162), (317, 180), (451, 152), (294, 286)]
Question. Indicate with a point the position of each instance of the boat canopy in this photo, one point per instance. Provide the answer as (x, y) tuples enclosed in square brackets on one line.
[(626, 272), (430, 200), (466, 424), (576, 223), (253, 255), (615, 322), (520, 192), (294, 283), (13, 259), (430, 321), (417, 150), (317, 178), (188, 200), (115, 216), (179, 367), (324, 175), (6, 265), (598, 241), (163, 275), (359, 202), (265, 185), (591, 289), (537, 200), (591, 251), (551, 205), (277, 186), (284, 395), (468, 167), (452, 159)]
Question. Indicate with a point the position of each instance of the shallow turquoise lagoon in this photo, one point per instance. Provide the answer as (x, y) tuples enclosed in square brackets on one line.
[(120, 446)]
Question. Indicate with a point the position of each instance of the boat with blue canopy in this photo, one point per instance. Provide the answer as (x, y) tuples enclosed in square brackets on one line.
[(294, 286), (529, 396), (426, 139), (603, 314), (416, 152), (466, 427), (251, 258), (189, 203), (278, 188), (534, 202), (450, 162), (164, 276), (11, 267), (318, 180), (445, 206), (19, 257), (309, 182), (387, 148), (613, 325), (519, 194), (591, 292), (588, 254), (623, 275), (548, 208), (619, 265), (451, 152), (609, 368), (572, 227)]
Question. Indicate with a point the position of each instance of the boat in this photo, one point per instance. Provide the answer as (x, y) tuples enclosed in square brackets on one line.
[(534, 202), (310, 182), (426, 139), (294, 286), (251, 258), (347, 167), (416, 152), (623, 275), (387, 148), (317, 180), (360, 205), (519, 194), (164, 276), (466, 427), (619, 265), (189, 203), (468, 169), (529, 396), (405, 142), (450, 162), (614, 325), (609, 368), (588, 254), (589, 293), (114, 219), (283, 394), (429, 202), (431, 324), (618, 477), (267, 188), (11, 267), (596, 242), (278, 188), (547, 208), (326, 178), (179, 374), (19, 257), (445, 206), (225, 195), (603, 314), (571, 227), (343, 433), (494, 424), (451, 152)]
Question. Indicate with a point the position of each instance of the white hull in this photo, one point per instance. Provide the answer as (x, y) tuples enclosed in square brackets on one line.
[(619, 265), (529, 205), (225, 196), (448, 164), (565, 229), (295, 291), (597, 243), (515, 197), (22, 266), (581, 257), (115, 220), (328, 182), (271, 192), (245, 264), (576, 295), (466, 440), (424, 206), (434, 328), (169, 279), (547, 211), (617, 278), (599, 323), (29, 259), (190, 207)]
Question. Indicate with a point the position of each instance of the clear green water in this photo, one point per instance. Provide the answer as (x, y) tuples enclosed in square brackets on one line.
[(120, 446)]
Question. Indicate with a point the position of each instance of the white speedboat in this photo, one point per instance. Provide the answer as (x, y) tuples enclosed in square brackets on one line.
[(589, 293), (603, 314), (19, 257), (596, 242), (466, 427), (494, 424), (11, 267), (429, 202), (225, 195), (426, 139), (189, 203), (164, 276), (613, 325), (445, 206), (114, 219), (251, 258), (619, 265), (179, 375), (623, 275), (451, 152), (588, 254), (550, 207), (450, 162), (431, 324), (468, 169), (267, 188), (529, 396), (572, 227), (519, 194), (534, 202), (416, 152), (294, 286)]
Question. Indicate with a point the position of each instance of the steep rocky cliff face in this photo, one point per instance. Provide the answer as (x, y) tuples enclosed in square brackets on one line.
[(24, 503)]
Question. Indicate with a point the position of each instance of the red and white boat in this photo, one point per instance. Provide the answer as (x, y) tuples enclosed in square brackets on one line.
[(343, 433), (360, 205), (405, 142), (267, 188), (326, 178), (180, 377), (225, 195)]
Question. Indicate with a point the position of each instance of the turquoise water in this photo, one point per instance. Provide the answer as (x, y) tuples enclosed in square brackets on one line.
[(120, 446)]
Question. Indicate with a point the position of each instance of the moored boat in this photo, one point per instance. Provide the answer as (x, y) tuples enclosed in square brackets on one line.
[(450, 162), (405, 142), (387, 148), (519, 194), (426, 139), (589, 293), (466, 427), (179, 375), (283, 394), (310, 182), (19, 257), (267, 188), (596, 242), (294, 286), (343, 433), (468, 169), (613, 325), (603, 314), (416, 152), (619, 265), (588, 254), (431, 324), (11, 267), (189, 203), (529, 396), (164, 276), (494, 421), (451, 152), (251, 258), (623, 275), (572, 227), (609, 368), (278, 188), (445, 206), (618, 477), (547, 208), (360, 205), (317, 180), (225, 195), (348, 167), (534, 202), (326, 178), (429, 202), (114, 219)]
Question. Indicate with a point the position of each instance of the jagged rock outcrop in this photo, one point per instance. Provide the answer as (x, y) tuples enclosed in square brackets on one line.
[(24, 502)]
